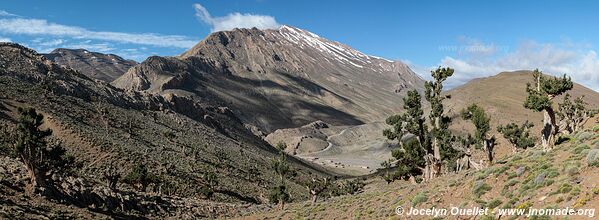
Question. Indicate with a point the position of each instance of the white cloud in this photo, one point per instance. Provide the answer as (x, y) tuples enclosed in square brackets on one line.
[(7, 14), (2, 39), (37, 27), (579, 62), (88, 45), (235, 20), (49, 43)]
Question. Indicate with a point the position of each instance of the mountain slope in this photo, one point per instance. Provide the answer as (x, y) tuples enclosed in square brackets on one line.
[(564, 177), (106, 67), (179, 140), (280, 78), (503, 97)]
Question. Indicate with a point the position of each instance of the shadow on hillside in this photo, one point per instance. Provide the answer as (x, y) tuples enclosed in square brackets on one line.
[(4, 113), (265, 97)]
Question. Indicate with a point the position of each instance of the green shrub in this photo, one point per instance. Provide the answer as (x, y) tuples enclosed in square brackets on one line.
[(480, 188), (565, 188), (139, 178), (596, 128), (481, 203), (500, 170), (494, 203), (419, 198), (593, 157), (578, 149), (511, 183), (279, 194), (584, 136), (571, 170), (575, 191)]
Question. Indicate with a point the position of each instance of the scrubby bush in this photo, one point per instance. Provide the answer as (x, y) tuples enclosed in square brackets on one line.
[(419, 198), (139, 178), (578, 149), (210, 183), (494, 203), (480, 188), (564, 188), (584, 136), (572, 170), (346, 187), (593, 157)]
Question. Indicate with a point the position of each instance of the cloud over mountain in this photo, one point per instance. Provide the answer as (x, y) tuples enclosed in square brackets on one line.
[(235, 20), (40, 27)]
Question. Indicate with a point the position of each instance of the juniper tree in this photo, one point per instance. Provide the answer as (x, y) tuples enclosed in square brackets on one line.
[(210, 182), (140, 177), (481, 122), (518, 136), (316, 186), (411, 160), (280, 165), (279, 194), (573, 115), (387, 174), (436, 142), (440, 135), (32, 149), (540, 96), (411, 121)]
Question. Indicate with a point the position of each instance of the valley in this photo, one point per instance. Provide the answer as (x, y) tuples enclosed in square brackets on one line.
[(282, 124)]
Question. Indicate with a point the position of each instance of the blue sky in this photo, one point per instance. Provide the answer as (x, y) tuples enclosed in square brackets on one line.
[(477, 38)]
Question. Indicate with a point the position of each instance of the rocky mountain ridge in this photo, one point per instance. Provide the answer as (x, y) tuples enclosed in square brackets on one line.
[(280, 78), (106, 67)]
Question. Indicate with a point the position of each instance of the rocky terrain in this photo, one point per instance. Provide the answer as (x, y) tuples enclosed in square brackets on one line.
[(105, 67), (281, 78), (564, 177), (179, 139)]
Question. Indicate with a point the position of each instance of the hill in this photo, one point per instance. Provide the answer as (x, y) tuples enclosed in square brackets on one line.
[(106, 67)]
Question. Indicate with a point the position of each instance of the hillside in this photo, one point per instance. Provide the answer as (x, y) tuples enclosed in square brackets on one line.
[(503, 95), (564, 177), (281, 78), (105, 67), (359, 150), (179, 140)]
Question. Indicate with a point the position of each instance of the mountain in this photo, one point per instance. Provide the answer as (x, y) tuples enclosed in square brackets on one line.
[(281, 78), (106, 67), (180, 140)]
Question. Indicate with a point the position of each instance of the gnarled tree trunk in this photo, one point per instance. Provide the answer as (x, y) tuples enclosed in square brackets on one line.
[(489, 145), (37, 178), (549, 129)]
